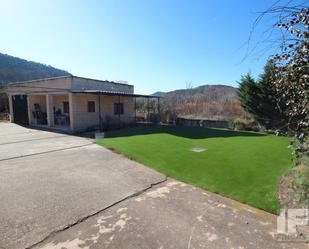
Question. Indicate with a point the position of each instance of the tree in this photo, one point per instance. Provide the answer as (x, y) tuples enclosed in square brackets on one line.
[(260, 99), (248, 93), (291, 79), (271, 111), (289, 34)]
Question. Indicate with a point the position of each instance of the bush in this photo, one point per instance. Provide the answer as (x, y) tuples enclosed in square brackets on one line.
[(244, 124), (301, 186), (301, 177), (294, 186), (300, 150)]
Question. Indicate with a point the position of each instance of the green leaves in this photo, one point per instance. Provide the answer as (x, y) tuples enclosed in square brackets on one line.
[(259, 98), (291, 74)]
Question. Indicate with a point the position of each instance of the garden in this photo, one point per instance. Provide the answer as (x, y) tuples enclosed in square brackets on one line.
[(245, 166)]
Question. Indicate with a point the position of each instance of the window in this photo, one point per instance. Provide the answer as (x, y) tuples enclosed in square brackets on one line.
[(118, 108), (66, 107), (91, 106), (36, 107)]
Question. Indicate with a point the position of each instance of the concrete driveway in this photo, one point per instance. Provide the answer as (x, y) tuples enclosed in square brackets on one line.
[(49, 181), (61, 191)]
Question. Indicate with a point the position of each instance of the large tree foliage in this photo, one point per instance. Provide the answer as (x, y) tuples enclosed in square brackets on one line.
[(271, 109), (291, 78), (248, 93), (259, 98), (288, 34)]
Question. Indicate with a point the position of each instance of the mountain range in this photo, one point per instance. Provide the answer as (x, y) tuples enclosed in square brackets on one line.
[(205, 92), (216, 102), (14, 69)]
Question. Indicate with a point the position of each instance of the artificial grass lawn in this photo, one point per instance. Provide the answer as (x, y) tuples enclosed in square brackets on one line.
[(244, 166)]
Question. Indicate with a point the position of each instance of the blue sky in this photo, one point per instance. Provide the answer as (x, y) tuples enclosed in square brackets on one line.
[(157, 45)]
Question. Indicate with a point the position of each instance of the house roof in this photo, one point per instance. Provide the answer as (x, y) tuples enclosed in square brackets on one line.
[(114, 93), (38, 80), (93, 87), (66, 76)]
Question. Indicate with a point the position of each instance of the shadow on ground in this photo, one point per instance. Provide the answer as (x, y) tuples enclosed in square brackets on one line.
[(181, 131)]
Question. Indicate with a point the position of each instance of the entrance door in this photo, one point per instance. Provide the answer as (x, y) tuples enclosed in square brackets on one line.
[(20, 109)]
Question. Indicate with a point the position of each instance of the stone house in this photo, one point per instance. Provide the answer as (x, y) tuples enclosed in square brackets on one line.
[(72, 103)]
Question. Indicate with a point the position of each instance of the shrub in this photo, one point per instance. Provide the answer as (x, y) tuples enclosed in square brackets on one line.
[(244, 124), (300, 151), (295, 185), (301, 185)]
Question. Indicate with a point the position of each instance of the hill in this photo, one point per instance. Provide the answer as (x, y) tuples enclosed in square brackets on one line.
[(216, 102), (206, 92), (158, 94), (13, 69)]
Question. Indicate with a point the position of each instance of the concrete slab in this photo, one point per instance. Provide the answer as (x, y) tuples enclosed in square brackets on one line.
[(43, 193), (173, 215), (28, 136), (10, 128), (31, 142)]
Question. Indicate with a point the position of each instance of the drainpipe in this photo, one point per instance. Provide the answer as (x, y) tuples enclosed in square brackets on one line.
[(118, 111), (148, 118), (159, 110), (100, 117), (135, 109)]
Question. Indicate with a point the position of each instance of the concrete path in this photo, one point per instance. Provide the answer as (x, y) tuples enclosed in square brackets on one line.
[(173, 215), (59, 191), (50, 181)]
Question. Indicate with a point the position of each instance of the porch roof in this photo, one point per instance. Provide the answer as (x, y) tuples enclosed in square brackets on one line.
[(112, 93)]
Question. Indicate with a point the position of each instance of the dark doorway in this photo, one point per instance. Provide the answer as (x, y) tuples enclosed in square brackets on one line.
[(4, 107), (20, 109)]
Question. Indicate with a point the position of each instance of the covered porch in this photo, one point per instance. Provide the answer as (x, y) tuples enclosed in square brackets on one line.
[(116, 110), (49, 111)]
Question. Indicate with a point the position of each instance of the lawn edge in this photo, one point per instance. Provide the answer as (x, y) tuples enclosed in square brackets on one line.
[(248, 205)]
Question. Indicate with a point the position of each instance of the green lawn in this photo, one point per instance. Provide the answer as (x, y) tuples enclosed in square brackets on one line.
[(245, 166)]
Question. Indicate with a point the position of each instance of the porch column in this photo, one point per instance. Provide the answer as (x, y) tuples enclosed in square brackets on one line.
[(71, 106), (100, 115), (148, 117), (50, 110), (159, 110), (29, 104), (11, 108), (135, 109), (118, 111)]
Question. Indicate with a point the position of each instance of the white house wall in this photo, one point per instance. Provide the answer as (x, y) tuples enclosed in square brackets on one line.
[(58, 101), (43, 86), (82, 119)]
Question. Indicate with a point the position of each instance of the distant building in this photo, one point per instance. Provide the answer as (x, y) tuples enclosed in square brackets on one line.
[(72, 103)]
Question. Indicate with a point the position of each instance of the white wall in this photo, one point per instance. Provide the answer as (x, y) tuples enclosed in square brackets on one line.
[(42, 86), (82, 119), (58, 101)]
